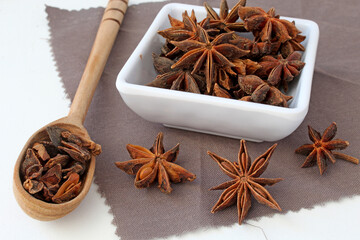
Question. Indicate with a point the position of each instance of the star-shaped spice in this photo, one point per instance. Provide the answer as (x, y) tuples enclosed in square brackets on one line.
[(175, 79), (280, 71), (266, 26), (226, 21), (218, 52), (322, 148), (246, 181), (261, 92), (292, 45), (155, 163), (185, 30)]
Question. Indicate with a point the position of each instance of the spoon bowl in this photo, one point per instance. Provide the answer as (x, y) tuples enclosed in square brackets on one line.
[(105, 37), (39, 209)]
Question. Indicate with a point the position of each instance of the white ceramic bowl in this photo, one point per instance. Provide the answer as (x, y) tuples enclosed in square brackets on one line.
[(208, 114)]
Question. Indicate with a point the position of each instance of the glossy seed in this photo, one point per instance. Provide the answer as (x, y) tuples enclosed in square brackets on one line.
[(145, 172)]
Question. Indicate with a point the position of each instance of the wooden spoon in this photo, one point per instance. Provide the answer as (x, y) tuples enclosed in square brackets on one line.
[(105, 37)]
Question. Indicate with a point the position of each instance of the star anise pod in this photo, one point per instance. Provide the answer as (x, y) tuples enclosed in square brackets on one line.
[(266, 26), (226, 21), (261, 92), (280, 71), (218, 52), (292, 45), (322, 148), (155, 163), (245, 66), (224, 77), (221, 92), (246, 181), (185, 30), (176, 79)]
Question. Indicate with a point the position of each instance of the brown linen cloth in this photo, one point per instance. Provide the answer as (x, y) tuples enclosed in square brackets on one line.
[(148, 213)]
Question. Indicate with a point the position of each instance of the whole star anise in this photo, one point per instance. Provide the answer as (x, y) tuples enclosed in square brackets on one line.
[(322, 148), (176, 79), (246, 181), (280, 71), (155, 163), (226, 21), (218, 52), (266, 26), (261, 92), (185, 30)]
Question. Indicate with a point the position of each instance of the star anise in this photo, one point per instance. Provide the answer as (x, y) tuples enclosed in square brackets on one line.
[(280, 71), (155, 163), (220, 92), (246, 181), (266, 26), (261, 92), (185, 30), (322, 148), (245, 66), (226, 21), (176, 79), (292, 45), (218, 52), (257, 48)]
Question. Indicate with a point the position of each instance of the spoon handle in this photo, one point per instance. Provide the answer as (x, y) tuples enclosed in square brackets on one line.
[(105, 37)]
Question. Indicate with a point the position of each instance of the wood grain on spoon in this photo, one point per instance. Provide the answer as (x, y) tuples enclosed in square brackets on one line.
[(106, 35)]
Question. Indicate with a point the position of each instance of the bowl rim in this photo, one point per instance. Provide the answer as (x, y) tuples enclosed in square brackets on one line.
[(304, 91)]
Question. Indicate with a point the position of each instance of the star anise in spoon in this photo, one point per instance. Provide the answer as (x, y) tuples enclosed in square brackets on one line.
[(246, 181), (217, 51), (226, 21), (155, 163), (322, 148), (280, 71)]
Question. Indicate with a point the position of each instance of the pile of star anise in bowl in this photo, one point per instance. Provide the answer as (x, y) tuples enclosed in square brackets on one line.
[(233, 60)]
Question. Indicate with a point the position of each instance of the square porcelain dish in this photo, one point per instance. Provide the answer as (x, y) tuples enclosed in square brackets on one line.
[(208, 114)]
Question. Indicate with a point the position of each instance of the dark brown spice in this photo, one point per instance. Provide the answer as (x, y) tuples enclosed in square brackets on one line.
[(154, 163), (322, 148), (246, 181), (211, 49), (48, 170)]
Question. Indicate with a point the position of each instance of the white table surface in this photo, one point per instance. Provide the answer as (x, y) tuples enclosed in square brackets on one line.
[(30, 83)]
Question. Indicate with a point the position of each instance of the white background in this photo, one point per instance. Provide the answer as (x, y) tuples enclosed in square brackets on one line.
[(32, 95)]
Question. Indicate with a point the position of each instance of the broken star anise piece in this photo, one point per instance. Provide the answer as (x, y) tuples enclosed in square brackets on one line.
[(246, 181), (68, 190), (322, 148), (33, 186), (280, 71), (226, 21), (48, 165), (155, 163), (218, 52)]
